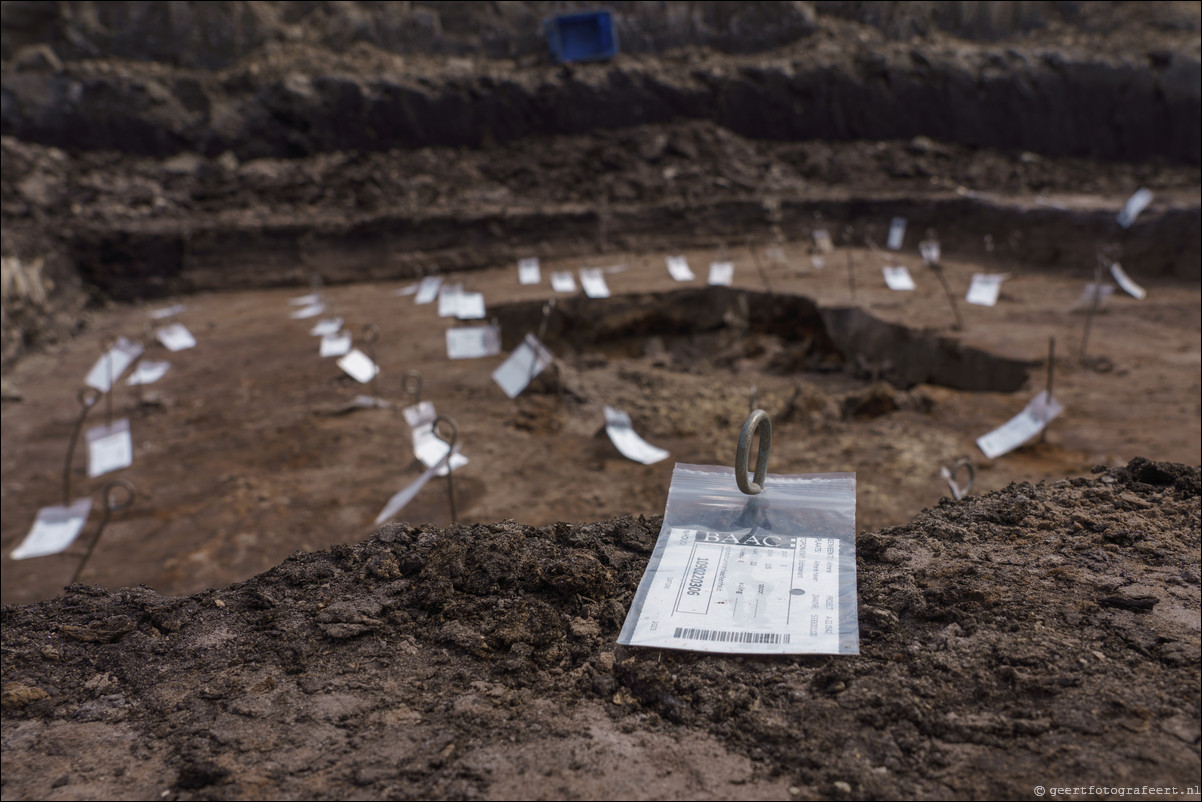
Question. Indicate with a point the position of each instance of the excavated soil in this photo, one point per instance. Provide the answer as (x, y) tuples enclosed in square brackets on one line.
[(1041, 635)]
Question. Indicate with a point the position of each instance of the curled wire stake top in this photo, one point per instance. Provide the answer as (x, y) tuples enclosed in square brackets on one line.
[(88, 397), (949, 474), (371, 333), (110, 501), (756, 420), (453, 437), (411, 383)]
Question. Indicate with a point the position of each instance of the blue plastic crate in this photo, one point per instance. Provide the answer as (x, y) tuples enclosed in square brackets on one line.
[(587, 36)]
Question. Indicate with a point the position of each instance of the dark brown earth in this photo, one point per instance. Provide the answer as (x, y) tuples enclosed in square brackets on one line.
[(1044, 631), (1040, 635)]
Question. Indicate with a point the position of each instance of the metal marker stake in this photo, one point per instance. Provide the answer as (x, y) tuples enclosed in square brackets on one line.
[(1043, 435), (87, 399), (450, 441), (411, 383), (1093, 307), (756, 420), (759, 268), (371, 333), (937, 266), (950, 475), (752, 400), (107, 346), (110, 506)]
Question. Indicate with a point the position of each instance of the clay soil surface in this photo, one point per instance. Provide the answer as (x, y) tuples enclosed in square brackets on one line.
[(246, 452)]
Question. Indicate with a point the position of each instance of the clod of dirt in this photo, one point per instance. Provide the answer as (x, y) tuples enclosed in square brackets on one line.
[(999, 633)]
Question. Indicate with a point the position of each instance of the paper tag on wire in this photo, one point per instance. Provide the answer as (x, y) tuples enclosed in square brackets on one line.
[(897, 234), (448, 300), (311, 299), (471, 342), (400, 499), (626, 440), (335, 344), (1021, 428), (176, 337), (678, 268), (54, 530), (471, 306), (359, 366), (563, 282), (898, 278), (308, 311), (528, 360), (417, 414), (1134, 205), (985, 288), (528, 271), (122, 354), (1093, 293), (428, 289), (722, 274), (822, 241), (110, 448), (147, 372), (166, 312), (428, 448), (324, 328), (1124, 281), (593, 282)]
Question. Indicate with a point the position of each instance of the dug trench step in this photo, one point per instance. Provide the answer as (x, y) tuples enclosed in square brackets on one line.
[(161, 258), (1017, 97), (830, 337)]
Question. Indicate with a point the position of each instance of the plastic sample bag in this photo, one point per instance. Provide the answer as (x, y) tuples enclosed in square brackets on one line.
[(773, 573)]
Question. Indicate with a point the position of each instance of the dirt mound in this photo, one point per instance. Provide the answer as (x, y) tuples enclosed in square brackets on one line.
[(1040, 635)]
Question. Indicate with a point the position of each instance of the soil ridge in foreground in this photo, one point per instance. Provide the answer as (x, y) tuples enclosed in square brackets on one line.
[(1039, 635)]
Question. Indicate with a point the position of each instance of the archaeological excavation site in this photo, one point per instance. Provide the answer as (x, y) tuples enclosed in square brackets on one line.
[(554, 400)]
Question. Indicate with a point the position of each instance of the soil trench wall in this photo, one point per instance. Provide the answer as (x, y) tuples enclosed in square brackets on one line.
[(152, 261)]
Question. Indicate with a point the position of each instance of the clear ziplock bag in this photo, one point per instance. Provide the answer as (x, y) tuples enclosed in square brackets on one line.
[(773, 573)]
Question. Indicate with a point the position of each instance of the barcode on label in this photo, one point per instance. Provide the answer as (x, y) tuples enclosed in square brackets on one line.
[(731, 637)]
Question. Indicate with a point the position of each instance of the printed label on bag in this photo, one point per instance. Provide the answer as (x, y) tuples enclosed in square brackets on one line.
[(743, 593)]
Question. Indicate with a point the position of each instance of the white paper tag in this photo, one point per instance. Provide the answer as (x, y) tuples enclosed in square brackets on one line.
[(818, 262), (985, 288), (930, 251), (417, 414), (166, 312), (110, 448), (739, 593), (527, 361), (678, 268), (897, 233), (428, 289), (370, 402), (304, 312), (593, 282), (563, 282), (1021, 428), (148, 372), (122, 354), (1124, 281), (176, 337), (448, 300), (359, 366), (335, 344), (471, 342), (410, 289), (1092, 291), (898, 278), (471, 306), (633, 447), (822, 241), (324, 328), (54, 530), (312, 299), (1134, 205), (430, 450), (721, 273), (528, 271), (398, 501)]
